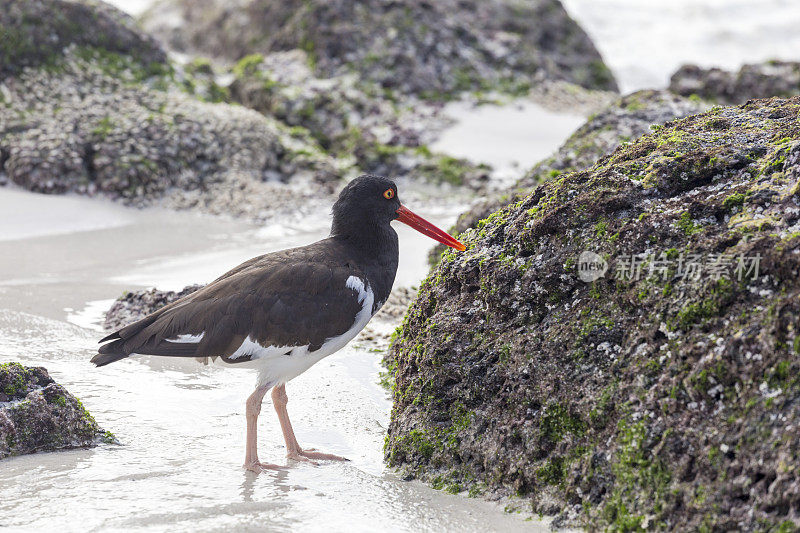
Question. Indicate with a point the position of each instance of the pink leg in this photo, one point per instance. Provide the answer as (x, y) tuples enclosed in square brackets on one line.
[(251, 461), (293, 450)]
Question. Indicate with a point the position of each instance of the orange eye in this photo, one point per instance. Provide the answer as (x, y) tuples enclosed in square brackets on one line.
[(388, 194)]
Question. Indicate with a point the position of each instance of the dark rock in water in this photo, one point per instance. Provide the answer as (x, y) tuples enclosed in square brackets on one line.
[(37, 414), (433, 49), (34, 33), (763, 80), (625, 340), (133, 306), (624, 121)]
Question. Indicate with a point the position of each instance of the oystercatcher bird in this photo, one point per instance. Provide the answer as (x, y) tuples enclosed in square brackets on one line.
[(284, 311)]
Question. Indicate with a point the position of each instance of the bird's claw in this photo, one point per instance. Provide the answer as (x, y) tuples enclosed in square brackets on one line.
[(301, 458), (258, 467), (310, 454)]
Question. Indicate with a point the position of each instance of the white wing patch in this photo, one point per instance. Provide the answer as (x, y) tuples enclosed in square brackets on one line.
[(255, 350), (357, 284), (187, 339)]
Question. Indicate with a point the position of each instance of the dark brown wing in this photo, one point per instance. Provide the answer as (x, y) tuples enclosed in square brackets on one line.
[(296, 297)]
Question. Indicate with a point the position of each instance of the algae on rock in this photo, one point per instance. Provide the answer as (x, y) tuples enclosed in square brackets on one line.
[(432, 49), (37, 414), (109, 115), (663, 394), (33, 33)]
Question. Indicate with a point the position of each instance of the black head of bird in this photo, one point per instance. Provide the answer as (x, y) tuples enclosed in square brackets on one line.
[(372, 202)]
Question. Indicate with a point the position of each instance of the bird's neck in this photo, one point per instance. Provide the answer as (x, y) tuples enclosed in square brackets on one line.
[(371, 239), (376, 249)]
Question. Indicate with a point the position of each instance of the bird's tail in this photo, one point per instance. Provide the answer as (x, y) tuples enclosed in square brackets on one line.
[(108, 353)]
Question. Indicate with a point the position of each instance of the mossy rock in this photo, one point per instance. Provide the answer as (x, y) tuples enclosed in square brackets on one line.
[(655, 396), (34, 33), (435, 50), (37, 414)]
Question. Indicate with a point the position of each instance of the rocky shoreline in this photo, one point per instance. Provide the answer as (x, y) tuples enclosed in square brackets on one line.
[(647, 398), (618, 347), (265, 131)]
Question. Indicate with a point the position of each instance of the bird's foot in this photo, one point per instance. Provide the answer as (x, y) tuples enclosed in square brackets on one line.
[(258, 467), (311, 455)]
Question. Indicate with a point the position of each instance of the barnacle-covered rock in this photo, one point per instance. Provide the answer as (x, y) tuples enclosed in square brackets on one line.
[(621, 346), (761, 80), (97, 123), (352, 119), (35, 32), (37, 414), (431, 49)]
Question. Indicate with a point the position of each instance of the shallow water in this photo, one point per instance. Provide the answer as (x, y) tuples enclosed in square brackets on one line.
[(644, 41), (182, 424), (512, 137)]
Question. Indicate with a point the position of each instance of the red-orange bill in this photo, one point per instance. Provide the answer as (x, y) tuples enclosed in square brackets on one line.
[(406, 216)]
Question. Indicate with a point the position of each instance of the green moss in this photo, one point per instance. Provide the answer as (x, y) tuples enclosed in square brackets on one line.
[(476, 489), (687, 225), (453, 488), (696, 312), (451, 170), (423, 150), (104, 127), (552, 472), (200, 65), (734, 200), (387, 377), (126, 67), (417, 441), (20, 383), (599, 416), (310, 48), (635, 467), (248, 65), (787, 526), (600, 75), (558, 422)]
